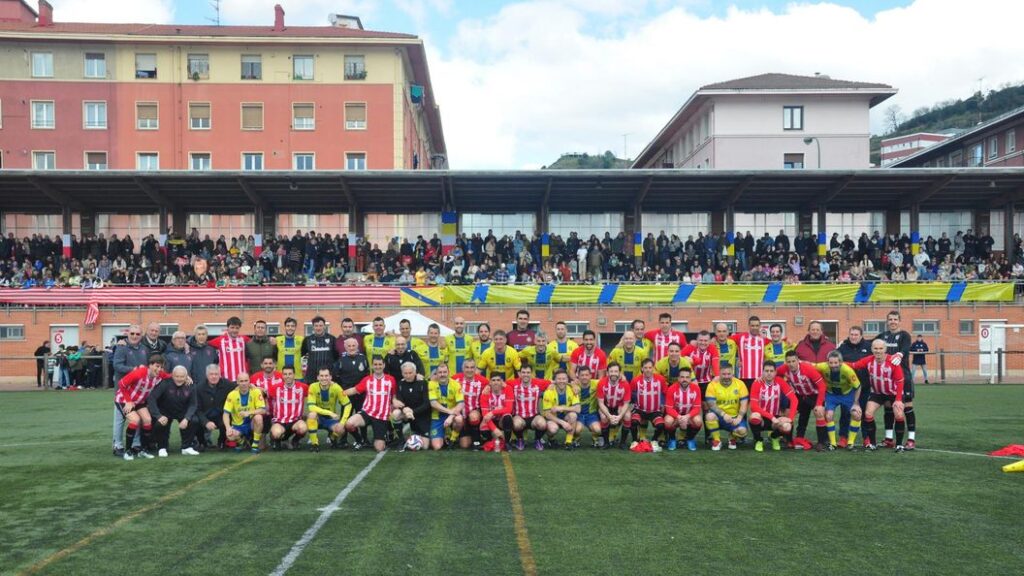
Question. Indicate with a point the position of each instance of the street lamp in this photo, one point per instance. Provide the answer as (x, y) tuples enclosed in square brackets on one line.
[(808, 141)]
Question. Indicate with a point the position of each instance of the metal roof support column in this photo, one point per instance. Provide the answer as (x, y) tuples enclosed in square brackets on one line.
[(161, 225), (1009, 244), (180, 221), (65, 213), (544, 211)]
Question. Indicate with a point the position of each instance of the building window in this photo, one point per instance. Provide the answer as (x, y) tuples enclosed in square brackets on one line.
[(967, 327), (355, 116), (575, 329), (199, 66), (147, 161), (355, 161), (302, 67), (585, 225), (145, 66), (12, 332), (500, 224), (873, 327), (252, 67), (147, 116), (95, 65), (95, 160), (976, 154), (1011, 141), (304, 161), (928, 327), (683, 224), (793, 161), (199, 161), (199, 115), (993, 147), (382, 227), (252, 116), (303, 117), (792, 117), (769, 222), (252, 161), (956, 159), (42, 65), (43, 115), (95, 114), (355, 67), (44, 160)]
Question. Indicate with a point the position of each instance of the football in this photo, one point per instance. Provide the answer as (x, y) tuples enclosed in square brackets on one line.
[(414, 443)]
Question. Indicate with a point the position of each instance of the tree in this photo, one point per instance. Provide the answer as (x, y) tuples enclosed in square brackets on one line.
[(893, 118)]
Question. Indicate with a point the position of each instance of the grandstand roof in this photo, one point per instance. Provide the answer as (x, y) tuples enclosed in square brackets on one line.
[(228, 192)]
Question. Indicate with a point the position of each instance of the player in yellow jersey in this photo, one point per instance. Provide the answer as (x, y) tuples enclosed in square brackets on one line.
[(562, 347), (434, 352), (561, 407), (670, 367), (842, 389), (446, 403), (628, 355), (590, 417), (777, 348), (482, 343), (639, 327), (378, 343), (726, 346), (500, 358), (537, 356), (727, 400), (458, 346), (244, 411), (289, 347), (417, 345), (329, 408)]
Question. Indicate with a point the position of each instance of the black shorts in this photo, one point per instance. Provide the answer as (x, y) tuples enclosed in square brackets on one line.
[(287, 428), (804, 403), (703, 388), (420, 426), (120, 407), (648, 417), (882, 399), (379, 427)]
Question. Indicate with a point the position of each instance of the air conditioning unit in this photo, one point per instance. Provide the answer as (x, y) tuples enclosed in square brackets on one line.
[(344, 21)]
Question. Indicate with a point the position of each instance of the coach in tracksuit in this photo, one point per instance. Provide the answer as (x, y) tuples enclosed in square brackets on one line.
[(350, 369), (318, 350), (412, 401), (128, 355), (174, 399), (205, 355)]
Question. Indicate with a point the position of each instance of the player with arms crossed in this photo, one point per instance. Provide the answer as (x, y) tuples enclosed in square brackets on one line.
[(496, 407), (648, 403)]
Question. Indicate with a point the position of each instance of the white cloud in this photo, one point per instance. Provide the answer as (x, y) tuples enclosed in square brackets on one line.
[(540, 78), (131, 11)]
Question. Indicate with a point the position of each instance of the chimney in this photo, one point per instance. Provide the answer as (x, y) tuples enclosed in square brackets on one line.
[(45, 14), (278, 17)]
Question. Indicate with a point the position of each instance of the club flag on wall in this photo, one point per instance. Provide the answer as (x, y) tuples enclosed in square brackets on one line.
[(449, 229), (545, 245), (638, 244), (822, 247)]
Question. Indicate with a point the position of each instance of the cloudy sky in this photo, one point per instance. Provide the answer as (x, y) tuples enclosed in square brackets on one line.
[(521, 82)]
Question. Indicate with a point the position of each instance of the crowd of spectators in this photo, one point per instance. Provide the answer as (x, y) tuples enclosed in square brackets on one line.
[(313, 258)]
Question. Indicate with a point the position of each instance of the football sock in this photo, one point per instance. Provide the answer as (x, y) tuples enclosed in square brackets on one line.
[(869, 429), (568, 438), (851, 436), (605, 430), (757, 428), (314, 438), (624, 434), (822, 434), (256, 437), (130, 439), (831, 427), (890, 417), (147, 436), (911, 422), (713, 429), (691, 433), (774, 435), (659, 429), (899, 432)]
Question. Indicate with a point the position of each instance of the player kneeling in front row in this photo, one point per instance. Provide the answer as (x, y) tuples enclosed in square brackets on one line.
[(173, 399), (561, 408), (590, 418), (472, 385), (328, 409), (648, 403), (727, 400), (132, 394), (766, 407), (683, 408), (379, 389), (496, 411), (287, 400), (613, 394), (527, 392), (446, 402), (411, 406), (244, 410)]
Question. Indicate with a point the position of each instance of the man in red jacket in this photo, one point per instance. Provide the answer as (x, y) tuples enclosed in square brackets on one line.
[(815, 346)]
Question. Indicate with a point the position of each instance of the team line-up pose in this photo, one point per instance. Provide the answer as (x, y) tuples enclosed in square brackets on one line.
[(656, 390)]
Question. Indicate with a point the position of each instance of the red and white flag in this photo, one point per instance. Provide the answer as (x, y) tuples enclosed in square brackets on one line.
[(92, 314)]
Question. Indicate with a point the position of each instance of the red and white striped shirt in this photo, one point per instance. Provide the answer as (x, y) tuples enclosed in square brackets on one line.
[(232, 355), (379, 393), (498, 404), (885, 378), (662, 340), (683, 400), (136, 385), (750, 350), (287, 403), (614, 395), (471, 389), (266, 382), (596, 360), (649, 394), (527, 396), (766, 397), (705, 362), (806, 381)]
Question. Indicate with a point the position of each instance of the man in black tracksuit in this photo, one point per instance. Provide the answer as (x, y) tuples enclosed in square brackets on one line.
[(174, 399), (318, 350), (412, 399), (210, 397), (350, 369), (897, 342), (205, 355), (400, 355), (854, 348)]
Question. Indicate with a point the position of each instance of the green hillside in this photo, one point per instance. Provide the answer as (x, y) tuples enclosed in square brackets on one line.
[(585, 161)]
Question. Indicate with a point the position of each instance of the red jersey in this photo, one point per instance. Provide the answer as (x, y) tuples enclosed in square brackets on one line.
[(266, 382), (766, 398), (136, 385), (499, 404), (471, 390), (614, 395), (805, 382), (885, 378), (379, 394), (596, 360), (705, 362), (750, 350), (527, 397), (683, 400), (232, 355), (649, 395), (662, 340), (287, 403)]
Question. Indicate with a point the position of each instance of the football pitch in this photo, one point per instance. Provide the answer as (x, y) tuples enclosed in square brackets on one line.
[(69, 507)]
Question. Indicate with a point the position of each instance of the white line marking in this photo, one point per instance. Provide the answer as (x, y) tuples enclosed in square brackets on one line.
[(328, 510), (965, 453), (54, 442)]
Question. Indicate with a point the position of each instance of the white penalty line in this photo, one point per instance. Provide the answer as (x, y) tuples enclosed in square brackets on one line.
[(965, 453), (326, 513), (50, 442)]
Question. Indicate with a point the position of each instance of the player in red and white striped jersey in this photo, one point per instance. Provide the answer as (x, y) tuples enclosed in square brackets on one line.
[(472, 384), (268, 377), (379, 389), (809, 386), (613, 404), (750, 347), (683, 402), (648, 402), (766, 406), (231, 350), (588, 355), (287, 402), (132, 392), (526, 395), (704, 358), (886, 390), (664, 336), (496, 405)]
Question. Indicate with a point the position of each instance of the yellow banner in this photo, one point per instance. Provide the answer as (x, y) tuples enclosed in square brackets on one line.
[(988, 293), (638, 294), (564, 294), (894, 291), (818, 292), (422, 296), (728, 293)]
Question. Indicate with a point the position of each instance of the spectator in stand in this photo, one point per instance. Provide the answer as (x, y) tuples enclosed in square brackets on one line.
[(815, 346)]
